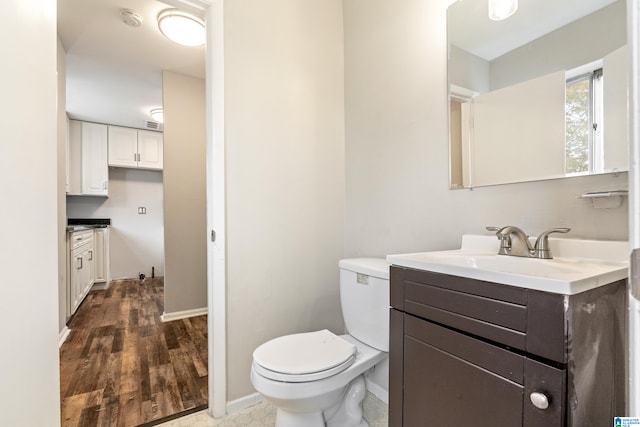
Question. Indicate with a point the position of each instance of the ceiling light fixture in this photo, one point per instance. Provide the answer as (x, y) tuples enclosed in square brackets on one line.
[(502, 9), (157, 114), (182, 27)]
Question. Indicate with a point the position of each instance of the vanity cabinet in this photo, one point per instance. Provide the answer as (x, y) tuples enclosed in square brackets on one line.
[(133, 148), (474, 353)]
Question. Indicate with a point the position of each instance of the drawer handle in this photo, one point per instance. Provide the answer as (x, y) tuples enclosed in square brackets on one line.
[(539, 400)]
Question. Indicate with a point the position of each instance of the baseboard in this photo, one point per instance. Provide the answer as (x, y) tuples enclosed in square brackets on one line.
[(177, 315), (378, 391), (100, 286), (243, 403), (64, 333)]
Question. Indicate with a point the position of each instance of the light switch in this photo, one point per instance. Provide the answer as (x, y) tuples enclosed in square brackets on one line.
[(142, 210)]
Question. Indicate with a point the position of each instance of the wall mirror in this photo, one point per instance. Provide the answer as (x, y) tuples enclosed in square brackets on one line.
[(539, 95)]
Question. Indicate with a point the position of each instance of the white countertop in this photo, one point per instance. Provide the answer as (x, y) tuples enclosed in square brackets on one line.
[(578, 265)]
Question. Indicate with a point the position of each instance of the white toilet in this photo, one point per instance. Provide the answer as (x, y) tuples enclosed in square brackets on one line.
[(316, 379)]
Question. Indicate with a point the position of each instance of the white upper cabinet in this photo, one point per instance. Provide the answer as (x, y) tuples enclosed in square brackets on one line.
[(150, 146), (133, 148), (123, 147), (87, 159), (95, 172)]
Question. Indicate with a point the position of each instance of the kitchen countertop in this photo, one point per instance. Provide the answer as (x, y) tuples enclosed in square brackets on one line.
[(79, 224)]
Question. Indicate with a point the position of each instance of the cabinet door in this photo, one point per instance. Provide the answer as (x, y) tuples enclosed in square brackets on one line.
[(77, 273), (453, 379), (86, 272), (150, 146), (100, 274), (91, 263), (123, 147), (95, 172)]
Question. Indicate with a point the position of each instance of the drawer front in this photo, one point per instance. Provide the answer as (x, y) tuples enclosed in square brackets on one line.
[(79, 238), (519, 318)]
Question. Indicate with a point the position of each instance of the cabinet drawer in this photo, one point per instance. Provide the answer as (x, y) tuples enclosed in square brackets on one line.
[(519, 318), (79, 238)]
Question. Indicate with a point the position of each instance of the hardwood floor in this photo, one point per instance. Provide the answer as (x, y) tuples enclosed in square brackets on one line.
[(122, 366)]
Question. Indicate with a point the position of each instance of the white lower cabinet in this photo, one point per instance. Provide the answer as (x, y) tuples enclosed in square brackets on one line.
[(81, 267), (101, 245), (87, 265)]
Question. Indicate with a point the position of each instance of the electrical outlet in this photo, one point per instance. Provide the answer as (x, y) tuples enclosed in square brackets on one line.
[(142, 210)]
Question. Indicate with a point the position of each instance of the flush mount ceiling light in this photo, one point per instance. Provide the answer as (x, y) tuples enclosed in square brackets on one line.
[(181, 27), (502, 9), (157, 115)]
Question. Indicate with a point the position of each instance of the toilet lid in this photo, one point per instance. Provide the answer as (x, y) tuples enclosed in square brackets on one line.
[(304, 357)]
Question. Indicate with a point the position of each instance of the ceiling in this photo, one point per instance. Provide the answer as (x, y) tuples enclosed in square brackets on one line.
[(471, 29), (114, 72)]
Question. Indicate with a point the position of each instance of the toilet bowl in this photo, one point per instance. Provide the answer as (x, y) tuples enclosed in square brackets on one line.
[(316, 379), (308, 403)]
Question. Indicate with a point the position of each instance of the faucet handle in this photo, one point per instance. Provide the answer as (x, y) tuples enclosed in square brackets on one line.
[(542, 243), (505, 240)]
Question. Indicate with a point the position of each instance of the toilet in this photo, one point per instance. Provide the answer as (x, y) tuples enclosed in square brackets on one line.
[(316, 379)]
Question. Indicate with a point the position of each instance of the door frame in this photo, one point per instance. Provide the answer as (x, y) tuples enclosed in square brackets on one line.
[(633, 42), (213, 12)]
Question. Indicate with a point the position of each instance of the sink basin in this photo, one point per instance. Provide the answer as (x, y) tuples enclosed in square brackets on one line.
[(573, 270)]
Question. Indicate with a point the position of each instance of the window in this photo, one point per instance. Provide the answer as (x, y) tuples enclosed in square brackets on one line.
[(583, 120)]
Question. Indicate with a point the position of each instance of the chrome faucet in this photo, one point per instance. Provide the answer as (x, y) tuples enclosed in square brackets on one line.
[(515, 242)]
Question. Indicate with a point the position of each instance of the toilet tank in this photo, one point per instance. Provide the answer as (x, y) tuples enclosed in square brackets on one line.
[(364, 295)]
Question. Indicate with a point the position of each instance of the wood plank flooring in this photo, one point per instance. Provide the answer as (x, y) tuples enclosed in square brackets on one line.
[(122, 366)]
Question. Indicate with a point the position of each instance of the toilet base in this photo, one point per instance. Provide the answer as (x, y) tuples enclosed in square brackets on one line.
[(289, 419), (347, 412)]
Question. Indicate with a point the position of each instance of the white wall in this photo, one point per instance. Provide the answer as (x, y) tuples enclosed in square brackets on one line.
[(616, 125), (185, 239), (578, 43), (284, 121), (29, 362), (136, 241), (397, 197), (518, 133), (468, 71)]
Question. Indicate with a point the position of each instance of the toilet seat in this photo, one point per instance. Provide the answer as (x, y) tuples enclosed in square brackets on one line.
[(304, 357)]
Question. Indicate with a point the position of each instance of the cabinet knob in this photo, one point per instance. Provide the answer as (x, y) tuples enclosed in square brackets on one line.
[(539, 400)]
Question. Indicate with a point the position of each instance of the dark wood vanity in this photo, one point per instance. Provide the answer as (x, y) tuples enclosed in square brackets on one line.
[(471, 353)]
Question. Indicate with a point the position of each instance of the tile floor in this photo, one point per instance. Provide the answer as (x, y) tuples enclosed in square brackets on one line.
[(263, 415)]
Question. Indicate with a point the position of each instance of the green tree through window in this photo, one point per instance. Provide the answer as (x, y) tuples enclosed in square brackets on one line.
[(577, 122)]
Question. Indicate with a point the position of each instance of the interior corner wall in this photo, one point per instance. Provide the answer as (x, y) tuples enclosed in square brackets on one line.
[(185, 229), (397, 187), (62, 165), (284, 123), (29, 362)]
